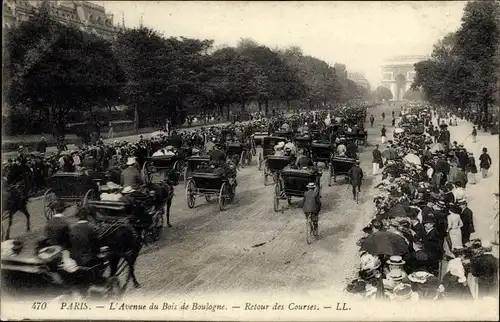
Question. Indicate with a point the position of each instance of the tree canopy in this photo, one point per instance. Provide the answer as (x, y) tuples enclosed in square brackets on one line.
[(54, 69), (463, 70)]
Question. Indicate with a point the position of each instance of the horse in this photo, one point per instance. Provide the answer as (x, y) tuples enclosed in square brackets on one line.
[(164, 193), (122, 240), (15, 199)]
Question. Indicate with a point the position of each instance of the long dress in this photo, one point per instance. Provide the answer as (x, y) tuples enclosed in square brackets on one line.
[(454, 231)]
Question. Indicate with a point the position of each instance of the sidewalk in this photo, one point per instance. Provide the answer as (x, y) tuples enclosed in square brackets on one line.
[(480, 196)]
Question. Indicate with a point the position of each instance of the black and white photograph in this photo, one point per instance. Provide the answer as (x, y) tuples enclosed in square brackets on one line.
[(250, 160)]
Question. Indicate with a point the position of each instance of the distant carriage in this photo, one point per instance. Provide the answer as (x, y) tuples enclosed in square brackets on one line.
[(239, 153), (303, 142), (340, 166), (257, 140), (211, 186), (321, 152), (293, 183), (274, 165), (268, 143), (193, 163), (69, 187), (170, 165)]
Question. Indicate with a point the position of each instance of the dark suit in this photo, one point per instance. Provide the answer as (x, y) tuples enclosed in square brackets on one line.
[(377, 156), (462, 178), (433, 246), (57, 232), (85, 244), (468, 224)]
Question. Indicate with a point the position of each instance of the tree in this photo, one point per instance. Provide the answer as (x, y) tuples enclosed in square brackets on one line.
[(54, 69), (382, 93)]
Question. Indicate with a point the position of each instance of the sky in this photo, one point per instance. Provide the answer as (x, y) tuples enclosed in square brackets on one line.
[(358, 34)]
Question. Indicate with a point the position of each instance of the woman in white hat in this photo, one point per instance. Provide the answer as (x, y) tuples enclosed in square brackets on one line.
[(131, 176)]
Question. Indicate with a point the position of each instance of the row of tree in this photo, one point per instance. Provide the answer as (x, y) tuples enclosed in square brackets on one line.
[(52, 69), (464, 69)]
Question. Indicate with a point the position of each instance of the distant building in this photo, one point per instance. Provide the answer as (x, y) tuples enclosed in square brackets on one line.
[(398, 74), (85, 15), (359, 79)]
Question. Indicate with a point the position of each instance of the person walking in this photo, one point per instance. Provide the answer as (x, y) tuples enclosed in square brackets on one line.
[(42, 146), (467, 217), (484, 162), (455, 225), (474, 134), (383, 116), (312, 206), (355, 174), (372, 120), (376, 159), (383, 132)]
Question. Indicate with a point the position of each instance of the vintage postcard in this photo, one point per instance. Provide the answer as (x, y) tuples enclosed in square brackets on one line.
[(250, 160)]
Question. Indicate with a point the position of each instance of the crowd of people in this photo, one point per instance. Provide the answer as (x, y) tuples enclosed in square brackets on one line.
[(418, 244)]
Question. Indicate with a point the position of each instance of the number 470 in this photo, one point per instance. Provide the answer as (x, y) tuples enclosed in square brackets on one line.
[(39, 305)]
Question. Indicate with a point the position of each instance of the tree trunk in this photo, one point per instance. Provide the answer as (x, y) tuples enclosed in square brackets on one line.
[(267, 107), (136, 119)]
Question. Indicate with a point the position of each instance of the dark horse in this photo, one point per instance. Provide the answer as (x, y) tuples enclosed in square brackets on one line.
[(15, 199), (122, 241), (164, 193)]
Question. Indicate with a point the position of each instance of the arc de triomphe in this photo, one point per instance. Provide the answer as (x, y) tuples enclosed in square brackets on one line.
[(398, 74)]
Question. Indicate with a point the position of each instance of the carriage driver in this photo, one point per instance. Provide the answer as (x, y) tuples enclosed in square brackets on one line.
[(217, 155), (136, 203)]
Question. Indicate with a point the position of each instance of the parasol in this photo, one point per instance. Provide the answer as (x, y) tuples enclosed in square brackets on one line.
[(384, 243), (437, 147), (398, 130), (413, 159)]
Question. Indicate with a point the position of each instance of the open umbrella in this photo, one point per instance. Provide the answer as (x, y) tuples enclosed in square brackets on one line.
[(398, 130), (437, 147), (384, 243), (413, 159)]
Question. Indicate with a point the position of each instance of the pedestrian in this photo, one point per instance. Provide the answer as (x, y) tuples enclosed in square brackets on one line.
[(472, 168), (455, 225), (355, 174), (376, 160), (312, 206), (467, 217), (372, 120), (383, 132), (111, 132), (383, 116), (484, 162)]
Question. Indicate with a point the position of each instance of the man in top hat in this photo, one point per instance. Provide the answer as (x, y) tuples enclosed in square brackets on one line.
[(131, 176), (433, 245), (312, 205), (467, 217)]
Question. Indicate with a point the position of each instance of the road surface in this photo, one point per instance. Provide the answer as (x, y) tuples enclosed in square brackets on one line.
[(249, 247)]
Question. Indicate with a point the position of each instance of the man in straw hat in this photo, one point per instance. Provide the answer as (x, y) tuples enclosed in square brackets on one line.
[(131, 176), (312, 205)]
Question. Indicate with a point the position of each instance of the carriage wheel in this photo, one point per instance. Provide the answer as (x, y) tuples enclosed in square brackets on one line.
[(191, 193), (330, 176), (260, 161), (277, 194), (223, 196), (144, 172), (48, 197), (265, 174), (242, 159), (88, 196), (249, 156), (232, 192)]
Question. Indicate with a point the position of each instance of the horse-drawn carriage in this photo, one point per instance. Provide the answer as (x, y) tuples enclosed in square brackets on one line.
[(257, 140), (360, 138), (216, 185), (37, 271), (340, 166), (114, 212), (69, 187), (268, 143), (170, 165), (192, 164), (274, 165), (303, 142), (285, 134), (321, 152), (293, 183), (239, 153)]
